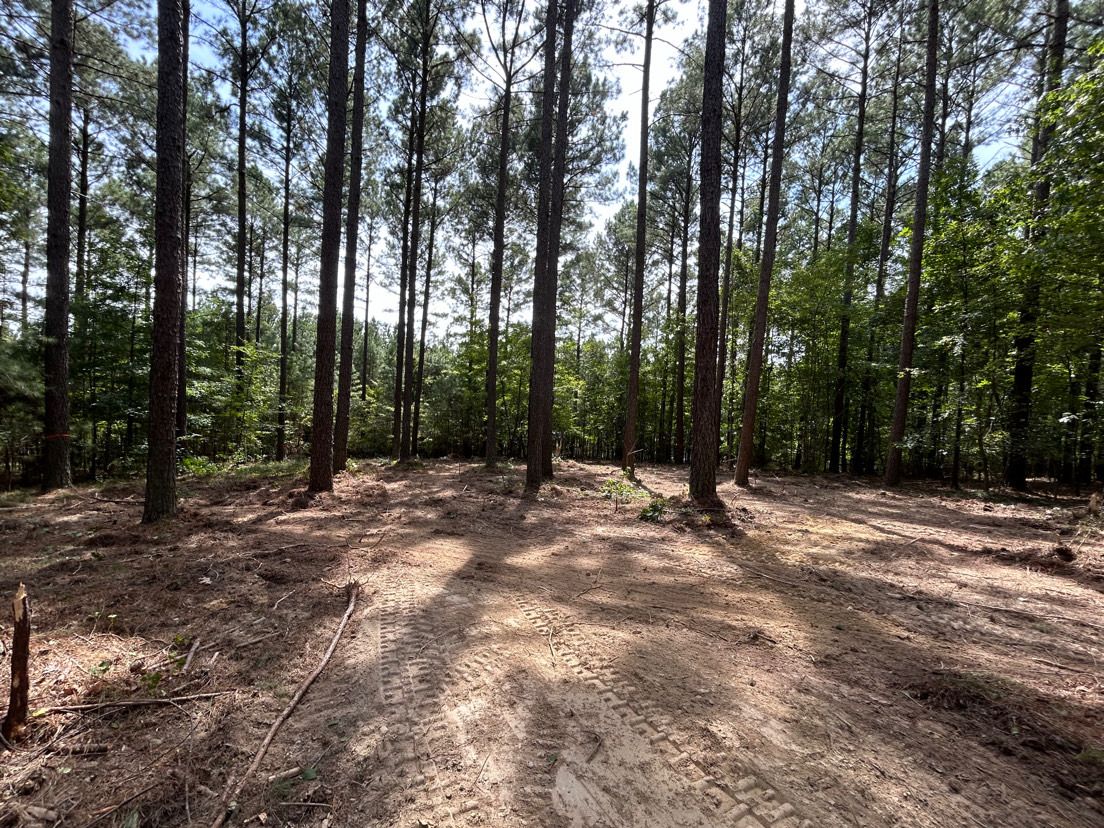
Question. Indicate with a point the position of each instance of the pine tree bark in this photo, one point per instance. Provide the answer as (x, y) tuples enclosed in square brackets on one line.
[(433, 220), (55, 455), (186, 229), (429, 24), (865, 439), (704, 425), (285, 245), (321, 465), (559, 164), (259, 304), (168, 264), (542, 309), (726, 289), (1024, 343), (15, 719), (839, 422), (82, 204), (766, 261), (498, 252), (25, 281), (1090, 423), (632, 404), (916, 252), (401, 366), (243, 100), (679, 402), (352, 229), (367, 290)]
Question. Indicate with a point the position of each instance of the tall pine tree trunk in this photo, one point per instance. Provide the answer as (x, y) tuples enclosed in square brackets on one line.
[(863, 456), (498, 252), (82, 204), (429, 23), (400, 328), (705, 426), (321, 465), (839, 421), (55, 455), (916, 252), (425, 318), (632, 405), (285, 244), (544, 307), (1024, 343), (352, 229), (559, 164), (766, 262), (726, 289), (367, 290), (679, 456), (168, 228), (243, 99), (186, 195)]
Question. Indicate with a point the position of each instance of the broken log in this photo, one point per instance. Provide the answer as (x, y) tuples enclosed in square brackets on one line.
[(16, 718)]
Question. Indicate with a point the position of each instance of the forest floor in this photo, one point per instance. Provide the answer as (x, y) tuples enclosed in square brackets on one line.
[(827, 653)]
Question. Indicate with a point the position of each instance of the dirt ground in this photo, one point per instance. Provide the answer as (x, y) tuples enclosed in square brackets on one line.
[(827, 653)]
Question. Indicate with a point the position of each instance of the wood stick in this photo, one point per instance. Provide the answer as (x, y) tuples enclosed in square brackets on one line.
[(191, 655), (15, 721), (234, 788), (67, 708)]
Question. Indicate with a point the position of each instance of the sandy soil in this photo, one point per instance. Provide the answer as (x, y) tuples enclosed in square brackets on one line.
[(825, 654)]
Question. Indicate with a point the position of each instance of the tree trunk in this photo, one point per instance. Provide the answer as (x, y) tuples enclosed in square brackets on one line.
[(367, 290), (55, 453), (82, 205), (916, 252), (259, 304), (680, 322), (352, 229), (1085, 465), (404, 255), (839, 421), (295, 298), (15, 720), (428, 25), (863, 456), (168, 265), (628, 457), (498, 252), (1024, 342), (243, 99), (186, 229), (321, 465), (559, 163), (726, 290), (705, 425), (285, 244), (425, 320), (766, 263), (543, 304), (25, 283)]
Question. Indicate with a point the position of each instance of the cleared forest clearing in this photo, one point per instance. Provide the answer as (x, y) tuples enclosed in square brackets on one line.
[(829, 653)]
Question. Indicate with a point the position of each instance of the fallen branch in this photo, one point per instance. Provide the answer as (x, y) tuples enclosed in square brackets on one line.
[(68, 708), (191, 655), (234, 788), (1025, 613), (1063, 666), (106, 812)]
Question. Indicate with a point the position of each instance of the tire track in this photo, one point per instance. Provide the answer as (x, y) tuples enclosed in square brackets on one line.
[(749, 802)]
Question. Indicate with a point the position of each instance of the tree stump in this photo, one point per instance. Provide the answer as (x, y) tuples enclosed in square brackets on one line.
[(16, 718)]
